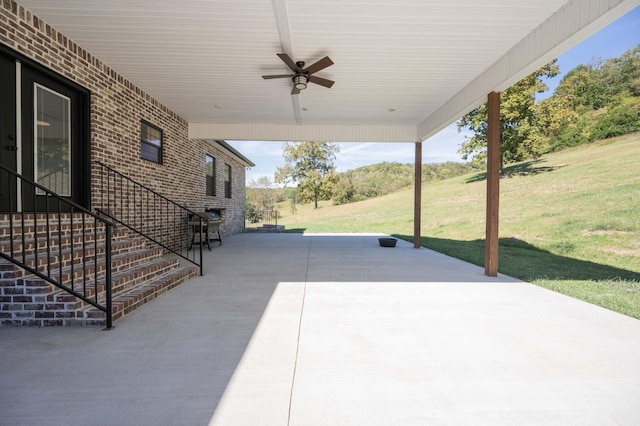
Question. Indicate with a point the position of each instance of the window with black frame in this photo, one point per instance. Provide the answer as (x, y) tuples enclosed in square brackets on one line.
[(210, 168), (150, 142), (227, 181)]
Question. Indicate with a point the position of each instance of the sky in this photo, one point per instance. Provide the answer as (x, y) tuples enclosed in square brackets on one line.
[(610, 42)]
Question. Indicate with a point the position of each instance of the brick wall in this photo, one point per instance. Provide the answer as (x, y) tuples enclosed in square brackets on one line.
[(117, 108)]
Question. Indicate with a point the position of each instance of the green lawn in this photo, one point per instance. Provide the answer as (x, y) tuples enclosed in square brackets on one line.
[(569, 221)]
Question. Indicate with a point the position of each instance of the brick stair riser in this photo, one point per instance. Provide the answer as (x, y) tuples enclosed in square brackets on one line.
[(68, 314), (31, 245), (87, 257), (64, 219), (86, 276), (40, 229), (120, 283), (126, 303), (39, 308), (121, 261), (130, 302)]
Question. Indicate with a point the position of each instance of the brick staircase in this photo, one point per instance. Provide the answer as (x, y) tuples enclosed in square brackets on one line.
[(72, 251)]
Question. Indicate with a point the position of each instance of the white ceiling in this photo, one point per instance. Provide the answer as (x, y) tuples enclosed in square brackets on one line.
[(403, 68)]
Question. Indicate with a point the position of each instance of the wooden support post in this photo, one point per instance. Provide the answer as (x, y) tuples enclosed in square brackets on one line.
[(417, 198), (493, 184)]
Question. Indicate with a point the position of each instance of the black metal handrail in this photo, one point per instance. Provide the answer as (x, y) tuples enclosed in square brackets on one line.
[(149, 214), (77, 268)]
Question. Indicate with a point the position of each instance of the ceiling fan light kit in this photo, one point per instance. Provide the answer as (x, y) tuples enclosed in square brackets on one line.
[(302, 76), (300, 81)]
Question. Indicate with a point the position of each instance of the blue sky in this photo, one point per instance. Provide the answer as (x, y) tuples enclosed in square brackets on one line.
[(610, 42)]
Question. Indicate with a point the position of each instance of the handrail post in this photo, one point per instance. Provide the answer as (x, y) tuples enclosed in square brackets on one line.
[(109, 302), (201, 267)]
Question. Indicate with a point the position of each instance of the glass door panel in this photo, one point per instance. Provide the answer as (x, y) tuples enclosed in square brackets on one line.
[(52, 140)]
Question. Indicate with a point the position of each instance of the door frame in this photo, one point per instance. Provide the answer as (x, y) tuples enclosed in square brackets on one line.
[(82, 195)]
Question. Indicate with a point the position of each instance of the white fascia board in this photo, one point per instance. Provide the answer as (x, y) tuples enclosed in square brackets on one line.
[(283, 132), (574, 22)]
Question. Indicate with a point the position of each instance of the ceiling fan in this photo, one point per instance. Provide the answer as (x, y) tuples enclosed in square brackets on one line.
[(302, 75)]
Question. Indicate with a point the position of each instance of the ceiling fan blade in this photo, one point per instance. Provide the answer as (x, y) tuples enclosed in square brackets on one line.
[(267, 77), (321, 81), (295, 91), (287, 60), (320, 65)]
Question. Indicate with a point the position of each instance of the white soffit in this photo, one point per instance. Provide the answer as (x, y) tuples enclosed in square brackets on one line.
[(576, 21), (403, 69)]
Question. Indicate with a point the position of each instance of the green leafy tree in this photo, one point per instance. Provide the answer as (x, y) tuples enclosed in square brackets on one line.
[(594, 101), (521, 135), (262, 193), (261, 196), (310, 166)]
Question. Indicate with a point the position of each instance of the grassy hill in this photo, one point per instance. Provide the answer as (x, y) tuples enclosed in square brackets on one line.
[(569, 221)]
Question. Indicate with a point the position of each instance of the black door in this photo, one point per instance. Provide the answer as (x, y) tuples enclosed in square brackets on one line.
[(52, 147), (8, 136)]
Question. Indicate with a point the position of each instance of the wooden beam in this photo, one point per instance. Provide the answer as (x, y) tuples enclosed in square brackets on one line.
[(493, 184), (417, 197)]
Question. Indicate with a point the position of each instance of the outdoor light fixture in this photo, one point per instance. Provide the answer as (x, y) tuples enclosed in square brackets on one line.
[(300, 81)]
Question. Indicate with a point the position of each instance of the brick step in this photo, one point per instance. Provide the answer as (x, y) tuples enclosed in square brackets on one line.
[(120, 282), (40, 226), (65, 218), (119, 264), (140, 272), (135, 297), (88, 248), (68, 312), (122, 254), (30, 244)]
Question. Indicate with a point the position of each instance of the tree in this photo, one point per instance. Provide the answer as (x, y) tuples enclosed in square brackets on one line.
[(521, 135), (310, 165), (262, 193), (594, 101), (261, 196)]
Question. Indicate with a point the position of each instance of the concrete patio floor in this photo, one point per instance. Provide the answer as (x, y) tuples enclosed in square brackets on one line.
[(286, 329)]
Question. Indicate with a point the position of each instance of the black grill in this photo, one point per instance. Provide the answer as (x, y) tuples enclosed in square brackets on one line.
[(207, 216), (210, 222)]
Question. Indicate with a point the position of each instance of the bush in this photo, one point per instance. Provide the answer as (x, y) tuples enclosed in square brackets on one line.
[(252, 215), (619, 121), (572, 135)]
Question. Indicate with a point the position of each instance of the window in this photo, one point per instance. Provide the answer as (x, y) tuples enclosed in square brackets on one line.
[(227, 181), (210, 170), (150, 142)]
